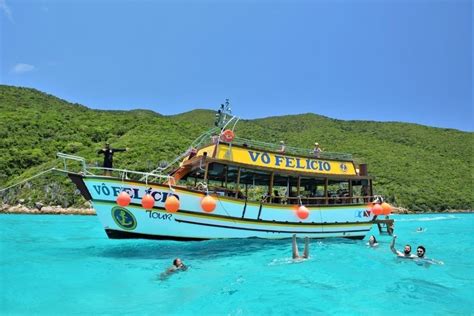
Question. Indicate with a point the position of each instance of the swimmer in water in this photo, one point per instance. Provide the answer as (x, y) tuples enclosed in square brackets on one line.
[(296, 255), (420, 252), (406, 254), (372, 242), (421, 259), (178, 265)]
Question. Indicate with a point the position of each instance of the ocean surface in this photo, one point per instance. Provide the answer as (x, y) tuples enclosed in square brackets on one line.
[(66, 265)]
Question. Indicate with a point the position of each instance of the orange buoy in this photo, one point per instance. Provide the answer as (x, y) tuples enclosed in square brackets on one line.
[(377, 209), (172, 204), (386, 208), (208, 203), (148, 201), (123, 199), (302, 212), (227, 136)]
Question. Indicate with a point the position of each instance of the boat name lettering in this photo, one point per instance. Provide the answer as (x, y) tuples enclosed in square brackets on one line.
[(134, 193), (158, 215), (289, 162)]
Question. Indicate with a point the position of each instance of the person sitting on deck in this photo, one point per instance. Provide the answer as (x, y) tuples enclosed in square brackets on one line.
[(296, 255), (406, 254)]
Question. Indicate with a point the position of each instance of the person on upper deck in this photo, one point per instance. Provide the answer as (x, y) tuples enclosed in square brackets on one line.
[(317, 150), (109, 157), (282, 147)]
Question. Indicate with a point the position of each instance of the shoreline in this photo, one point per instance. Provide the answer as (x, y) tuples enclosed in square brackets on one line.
[(59, 210)]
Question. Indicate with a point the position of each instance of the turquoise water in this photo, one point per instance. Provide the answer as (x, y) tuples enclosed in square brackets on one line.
[(66, 264)]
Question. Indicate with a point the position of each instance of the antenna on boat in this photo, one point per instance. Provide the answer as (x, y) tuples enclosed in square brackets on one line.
[(223, 114)]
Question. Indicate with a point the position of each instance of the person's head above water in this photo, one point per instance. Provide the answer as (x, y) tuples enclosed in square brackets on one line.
[(372, 239), (177, 262), (407, 250), (420, 251)]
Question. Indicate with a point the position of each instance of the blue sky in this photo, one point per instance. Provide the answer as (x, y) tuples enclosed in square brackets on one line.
[(407, 61)]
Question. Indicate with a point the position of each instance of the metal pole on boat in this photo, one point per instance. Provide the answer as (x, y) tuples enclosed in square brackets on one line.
[(270, 187), (326, 182), (237, 187)]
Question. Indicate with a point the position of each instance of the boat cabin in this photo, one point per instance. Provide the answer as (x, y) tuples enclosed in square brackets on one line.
[(244, 171)]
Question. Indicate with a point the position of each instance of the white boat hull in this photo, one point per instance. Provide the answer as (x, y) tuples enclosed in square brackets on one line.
[(231, 218)]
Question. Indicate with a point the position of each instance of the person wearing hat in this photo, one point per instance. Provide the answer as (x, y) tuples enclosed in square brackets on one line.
[(317, 150), (109, 157), (282, 147)]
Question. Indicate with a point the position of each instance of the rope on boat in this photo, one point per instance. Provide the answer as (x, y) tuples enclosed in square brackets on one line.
[(28, 179)]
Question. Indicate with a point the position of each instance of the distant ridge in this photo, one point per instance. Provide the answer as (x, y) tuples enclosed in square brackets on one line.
[(416, 167)]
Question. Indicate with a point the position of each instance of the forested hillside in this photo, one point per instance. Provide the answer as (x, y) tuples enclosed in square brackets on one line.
[(417, 167)]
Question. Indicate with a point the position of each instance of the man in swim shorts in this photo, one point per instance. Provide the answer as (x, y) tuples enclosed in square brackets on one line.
[(406, 254), (296, 255)]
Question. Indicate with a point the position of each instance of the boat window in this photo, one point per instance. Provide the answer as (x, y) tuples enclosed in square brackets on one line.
[(285, 189), (254, 184), (361, 191), (193, 180), (338, 192), (222, 179), (312, 191)]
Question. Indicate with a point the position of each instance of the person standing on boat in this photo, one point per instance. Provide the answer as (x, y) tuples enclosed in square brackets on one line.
[(108, 153), (282, 147), (406, 251), (317, 150)]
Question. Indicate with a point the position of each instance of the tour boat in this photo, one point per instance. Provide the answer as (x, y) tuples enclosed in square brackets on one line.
[(229, 187)]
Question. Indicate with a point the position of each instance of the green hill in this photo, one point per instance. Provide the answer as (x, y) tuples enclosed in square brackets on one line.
[(417, 167)]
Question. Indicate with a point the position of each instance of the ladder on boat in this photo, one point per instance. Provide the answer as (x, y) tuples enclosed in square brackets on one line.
[(385, 226)]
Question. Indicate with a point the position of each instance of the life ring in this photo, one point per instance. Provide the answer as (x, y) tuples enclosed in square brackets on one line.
[(227, 136)]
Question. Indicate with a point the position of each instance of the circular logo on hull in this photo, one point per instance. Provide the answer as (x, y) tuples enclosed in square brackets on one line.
[(124, 218)]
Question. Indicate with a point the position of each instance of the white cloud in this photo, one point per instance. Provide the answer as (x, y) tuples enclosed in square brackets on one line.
[(6, 9), (22, 68)]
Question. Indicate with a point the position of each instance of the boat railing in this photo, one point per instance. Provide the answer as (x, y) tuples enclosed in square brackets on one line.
[(200, 141), (290, 149), (70, 165), (67, 158), (294, 200)]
